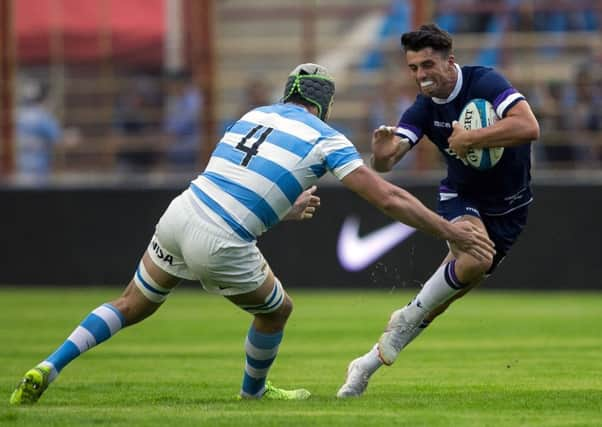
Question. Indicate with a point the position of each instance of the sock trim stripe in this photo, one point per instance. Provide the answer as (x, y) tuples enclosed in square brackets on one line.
[(82, 338), (256, 373), (260, 363), (252, 387), (449, 275), (53, 372), (97, 327), (65, 353), (264, 341), (452, 273), (113, 317), (260, 353)]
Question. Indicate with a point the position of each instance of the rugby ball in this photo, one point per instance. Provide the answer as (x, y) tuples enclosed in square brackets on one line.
[(479, 113)]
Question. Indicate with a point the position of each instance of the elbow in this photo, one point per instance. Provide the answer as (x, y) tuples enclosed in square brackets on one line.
[(534, 132), (530, 127)]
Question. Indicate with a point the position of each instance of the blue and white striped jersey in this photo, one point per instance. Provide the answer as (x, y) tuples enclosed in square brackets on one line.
[(264, 162)]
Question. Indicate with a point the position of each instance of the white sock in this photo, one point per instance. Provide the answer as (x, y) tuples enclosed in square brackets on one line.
[(439, 288)]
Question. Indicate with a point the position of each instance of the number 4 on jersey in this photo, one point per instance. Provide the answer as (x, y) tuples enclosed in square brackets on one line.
[(251, 149)]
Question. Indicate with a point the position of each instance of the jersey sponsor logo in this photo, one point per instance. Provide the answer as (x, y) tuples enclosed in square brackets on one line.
[(161, 254), (439, 124), (356, 253), (473, 210), (516, 197)]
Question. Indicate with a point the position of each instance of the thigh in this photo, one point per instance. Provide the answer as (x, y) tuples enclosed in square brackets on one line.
[(132, 303), (159, 275), (165, 247), (256, 296), (504, 230), (229, 266), (456, 208)]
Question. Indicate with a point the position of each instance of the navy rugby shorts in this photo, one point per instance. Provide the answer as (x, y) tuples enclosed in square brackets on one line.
[(502, 229)]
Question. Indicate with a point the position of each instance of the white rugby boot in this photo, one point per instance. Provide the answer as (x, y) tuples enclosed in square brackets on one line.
[(356, 381), (399, 332)]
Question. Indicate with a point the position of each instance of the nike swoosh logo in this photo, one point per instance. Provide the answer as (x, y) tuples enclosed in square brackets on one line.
[(356, 253)]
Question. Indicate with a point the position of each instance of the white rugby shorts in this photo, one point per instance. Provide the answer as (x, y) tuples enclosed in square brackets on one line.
[(187, 244)]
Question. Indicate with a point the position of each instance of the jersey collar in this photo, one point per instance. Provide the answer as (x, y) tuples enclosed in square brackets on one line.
[(456, 90)]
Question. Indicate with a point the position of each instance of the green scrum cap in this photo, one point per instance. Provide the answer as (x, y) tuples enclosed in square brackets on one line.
[(313, 83)]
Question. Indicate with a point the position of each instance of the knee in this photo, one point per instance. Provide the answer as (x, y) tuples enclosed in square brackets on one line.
[(469, 269), (286, 309), (134, 307), (277, 319)]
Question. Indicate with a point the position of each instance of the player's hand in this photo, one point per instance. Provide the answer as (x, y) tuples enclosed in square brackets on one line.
[(305, 206), (473, 240), (459, 141), (384, 145), (387, 148)]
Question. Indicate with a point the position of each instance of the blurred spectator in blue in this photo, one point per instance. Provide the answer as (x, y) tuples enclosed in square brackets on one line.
[(582, 111), (38, 132), (133, 126), (545, 99), (181, 122), (463, 16), (575, 109), (397, 21), (564, 15)]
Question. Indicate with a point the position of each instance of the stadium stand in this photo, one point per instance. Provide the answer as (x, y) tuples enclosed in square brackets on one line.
[(551, 50)]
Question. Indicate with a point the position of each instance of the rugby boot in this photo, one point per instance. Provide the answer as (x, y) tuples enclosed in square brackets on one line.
[(395, 337), (30, 388), (356, 381), (274, 393)]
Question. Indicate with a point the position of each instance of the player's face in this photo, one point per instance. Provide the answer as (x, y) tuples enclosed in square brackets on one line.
[(435, 74)]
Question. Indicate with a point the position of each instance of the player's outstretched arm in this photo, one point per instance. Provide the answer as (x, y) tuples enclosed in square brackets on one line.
[(387, 148), (403, 206), (305, 206)]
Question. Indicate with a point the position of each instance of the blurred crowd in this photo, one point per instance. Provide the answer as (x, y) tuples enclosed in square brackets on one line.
[(155, 121), (571, 115)]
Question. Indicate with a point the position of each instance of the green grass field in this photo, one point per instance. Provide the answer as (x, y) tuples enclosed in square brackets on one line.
[(495, 359)]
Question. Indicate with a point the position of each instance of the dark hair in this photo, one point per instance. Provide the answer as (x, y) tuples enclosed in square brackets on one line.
[(429, 35)]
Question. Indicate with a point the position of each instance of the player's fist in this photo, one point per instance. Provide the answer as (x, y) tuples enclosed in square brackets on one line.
[(459, 141), (305, 206)]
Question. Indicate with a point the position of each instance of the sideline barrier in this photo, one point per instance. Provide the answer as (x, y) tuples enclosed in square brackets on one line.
[(96, 236)]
